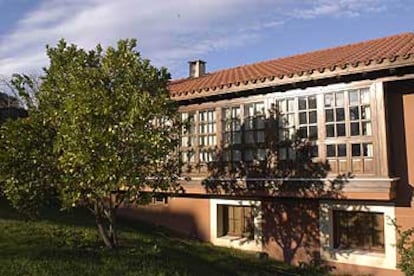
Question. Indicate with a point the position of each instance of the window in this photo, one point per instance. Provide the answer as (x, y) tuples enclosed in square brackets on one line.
[(188, 137), (232, 135), (362, 157), (159, 199), (348, 120), (334, 114), (337, 157), (206, 134), (308, 124), (360, 112), (235, 221), (287, 128), (254, 134), (358, 230)]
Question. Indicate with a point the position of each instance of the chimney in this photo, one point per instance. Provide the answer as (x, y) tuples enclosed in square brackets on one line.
[(197, 68)]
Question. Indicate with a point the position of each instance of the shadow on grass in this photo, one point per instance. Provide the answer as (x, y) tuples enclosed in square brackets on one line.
[(68, 244)]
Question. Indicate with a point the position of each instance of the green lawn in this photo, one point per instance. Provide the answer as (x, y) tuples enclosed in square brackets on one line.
[(67, 244)]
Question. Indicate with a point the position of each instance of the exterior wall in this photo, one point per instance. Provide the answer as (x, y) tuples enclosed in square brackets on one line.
[(239, 243), (405, 213), (296, 230), (189, 216), (291, 230), (349, 269), (385, 260)]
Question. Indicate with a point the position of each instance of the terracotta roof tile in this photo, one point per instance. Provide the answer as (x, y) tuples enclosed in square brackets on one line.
[(348, 56)]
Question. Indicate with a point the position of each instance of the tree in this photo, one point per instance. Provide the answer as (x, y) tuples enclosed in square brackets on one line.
[(114, 131), (405, 248)]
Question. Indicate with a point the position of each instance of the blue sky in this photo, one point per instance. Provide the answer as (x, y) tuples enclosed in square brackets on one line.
[(225, 33)]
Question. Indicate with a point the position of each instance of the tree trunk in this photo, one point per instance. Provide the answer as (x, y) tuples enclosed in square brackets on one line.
[(103, 218)]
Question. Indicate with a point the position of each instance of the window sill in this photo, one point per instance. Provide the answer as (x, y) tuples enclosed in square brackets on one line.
[(235, 238), (358, 252)]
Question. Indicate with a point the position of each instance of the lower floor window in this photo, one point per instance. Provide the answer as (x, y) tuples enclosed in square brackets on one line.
[(235, 221), (358, 230)]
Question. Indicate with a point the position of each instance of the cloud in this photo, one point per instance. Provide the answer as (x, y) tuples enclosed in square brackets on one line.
[(169, 32), (346, 8)]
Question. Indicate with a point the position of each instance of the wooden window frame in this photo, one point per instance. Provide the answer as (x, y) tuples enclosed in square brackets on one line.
[(235, 221), (343, 231)]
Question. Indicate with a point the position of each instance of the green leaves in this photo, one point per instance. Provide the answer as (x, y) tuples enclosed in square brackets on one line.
[(103, 122)]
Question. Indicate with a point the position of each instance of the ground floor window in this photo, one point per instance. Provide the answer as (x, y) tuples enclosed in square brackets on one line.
[(358, 230), (358, 233), (235, 221)]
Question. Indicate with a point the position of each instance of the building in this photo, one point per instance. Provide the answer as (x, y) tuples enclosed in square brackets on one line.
[(10, 108), (308, 156)]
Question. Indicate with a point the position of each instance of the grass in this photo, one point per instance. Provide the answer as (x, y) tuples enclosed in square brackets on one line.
[(66, 243)]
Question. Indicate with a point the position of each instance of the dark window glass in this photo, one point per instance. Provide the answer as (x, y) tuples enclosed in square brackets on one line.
[(314, 151), (356, 150), (354, 113), (303, 132), (302, 103), (358, 230), (340, 114), (340, 129), (312, 117), (313, 132), (330, 131), (341, 150), (331, 150), (329, 117), (312, 102), (354, 129), (302, 118)]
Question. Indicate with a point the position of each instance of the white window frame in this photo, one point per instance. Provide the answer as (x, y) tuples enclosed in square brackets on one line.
[(387, 260), (235, 242)]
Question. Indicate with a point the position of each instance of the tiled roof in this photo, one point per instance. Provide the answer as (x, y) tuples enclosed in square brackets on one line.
[(363, 56)]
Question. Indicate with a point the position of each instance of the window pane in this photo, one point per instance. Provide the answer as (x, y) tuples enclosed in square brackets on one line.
[(365, 112), (260, 122), (313, 132), (236, 155), (353, 97), (302, 103), (340, 129), (368, 150), (365, 96), (354, 113), (291, 120), (312, 102), (302, 118), (354, 129), (341, 150), (312, 117), (248, 155), (314, 151), (356, 150), (282, 153), (260, 137), (330, 131), (358, 230), (328, 100), (282, 106), (236, 138), (303, 132), (340, 114), (366, 128), (261, 154), (329, 115), (331, 150), (339, 99), (249, 137), (291, 105)]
